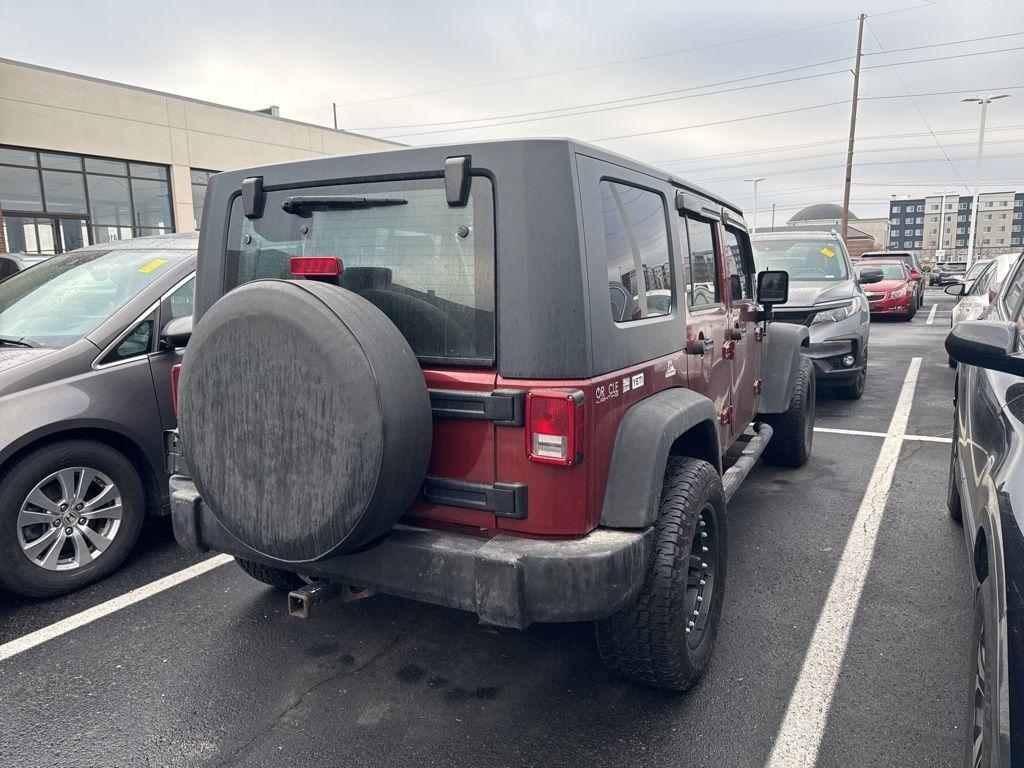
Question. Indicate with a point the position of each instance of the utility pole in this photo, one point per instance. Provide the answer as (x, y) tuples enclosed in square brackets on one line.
[(773, 216), (753, 229), (334, 105), (853, 127), (984, 99)]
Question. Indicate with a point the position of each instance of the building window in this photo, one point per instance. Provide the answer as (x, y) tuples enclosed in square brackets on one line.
[(964, 206), (897, 209), (1018, 203), (920, 209), (920, 220), (908, 243), (933, 207), (1016, 227), (961, 218), (636, 245), (51, 202), (200, 179)]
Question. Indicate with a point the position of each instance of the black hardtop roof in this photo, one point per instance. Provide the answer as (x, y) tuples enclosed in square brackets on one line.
[(428, 155)]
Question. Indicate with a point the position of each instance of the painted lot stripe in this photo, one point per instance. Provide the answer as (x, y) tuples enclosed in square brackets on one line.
[(931, 315), (863, 433), (40, 636), (799, 738)]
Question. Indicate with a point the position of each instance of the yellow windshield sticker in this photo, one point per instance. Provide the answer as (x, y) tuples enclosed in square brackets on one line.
[(152, 265), (828, 252)]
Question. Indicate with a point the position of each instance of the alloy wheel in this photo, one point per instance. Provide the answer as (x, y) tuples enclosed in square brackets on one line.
[(980, 704), (69, 518)]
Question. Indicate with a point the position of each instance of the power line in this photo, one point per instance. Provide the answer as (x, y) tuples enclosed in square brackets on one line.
[(859, 165), (586, 67), (788, 147), (937, 93), (622, 101), (611, 101), (720, 122), (581, 111), (916, 107)]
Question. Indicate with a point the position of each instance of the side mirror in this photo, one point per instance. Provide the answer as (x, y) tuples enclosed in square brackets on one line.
[(772, 287), (987, 345), (870, 275), (176, 333), (955, 289), (915, 274)]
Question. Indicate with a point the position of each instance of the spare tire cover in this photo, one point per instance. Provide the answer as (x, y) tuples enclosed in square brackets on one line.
[(304, 418)]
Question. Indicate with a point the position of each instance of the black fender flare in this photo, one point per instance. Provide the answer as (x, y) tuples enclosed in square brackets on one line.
[(644, 439), (783, 345)]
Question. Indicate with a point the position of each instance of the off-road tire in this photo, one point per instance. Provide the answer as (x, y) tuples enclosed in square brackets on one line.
[(17, 573), (793, 430), (648, 642), (275, 577), (910, 313)]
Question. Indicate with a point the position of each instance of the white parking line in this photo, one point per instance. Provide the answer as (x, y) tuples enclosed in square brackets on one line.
[(931, 315), (863, 433), (40, 636), (799, 738)]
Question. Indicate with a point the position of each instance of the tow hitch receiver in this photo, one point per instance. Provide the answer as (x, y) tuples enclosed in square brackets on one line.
[(302, 600)]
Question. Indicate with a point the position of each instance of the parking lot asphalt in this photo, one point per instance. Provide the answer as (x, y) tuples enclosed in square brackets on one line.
[(214, 672)]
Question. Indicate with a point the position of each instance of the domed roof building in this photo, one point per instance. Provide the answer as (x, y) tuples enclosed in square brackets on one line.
[(861, 234), (819, 212)]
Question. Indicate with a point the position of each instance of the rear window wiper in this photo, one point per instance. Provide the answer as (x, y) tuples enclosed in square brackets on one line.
[(14, 341), (301, 205)]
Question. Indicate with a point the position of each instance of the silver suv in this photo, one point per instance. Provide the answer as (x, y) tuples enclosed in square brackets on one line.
[(824, 295)]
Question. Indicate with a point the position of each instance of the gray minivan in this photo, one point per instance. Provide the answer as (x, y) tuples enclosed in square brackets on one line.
[(85, 396), (824, 295)]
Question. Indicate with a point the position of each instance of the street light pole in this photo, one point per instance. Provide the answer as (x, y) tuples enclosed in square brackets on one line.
[(984, 99), (753, 229)]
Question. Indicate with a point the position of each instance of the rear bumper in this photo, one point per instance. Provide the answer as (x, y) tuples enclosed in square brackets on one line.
[(508, 581)]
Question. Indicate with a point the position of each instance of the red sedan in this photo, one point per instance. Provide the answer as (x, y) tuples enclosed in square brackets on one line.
[(895, 294)]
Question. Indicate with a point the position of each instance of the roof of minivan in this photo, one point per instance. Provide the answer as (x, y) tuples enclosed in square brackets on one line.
[(185, 241)]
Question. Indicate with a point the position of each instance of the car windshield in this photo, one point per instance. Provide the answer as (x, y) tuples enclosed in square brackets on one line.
[(955, 266), (817, 260), (890, 271), (976, 269), (65, 297)]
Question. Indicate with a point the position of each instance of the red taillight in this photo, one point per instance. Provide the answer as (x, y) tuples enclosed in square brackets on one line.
[(175, 374), (554, 426), (316, 266)]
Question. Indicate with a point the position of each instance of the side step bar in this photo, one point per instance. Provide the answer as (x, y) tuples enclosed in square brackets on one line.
[(734, 476)]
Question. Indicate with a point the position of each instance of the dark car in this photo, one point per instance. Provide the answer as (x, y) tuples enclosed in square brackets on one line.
[(84, 402), (16, 262), (910, 259), (986, 495), (952, 272), (559, 444)]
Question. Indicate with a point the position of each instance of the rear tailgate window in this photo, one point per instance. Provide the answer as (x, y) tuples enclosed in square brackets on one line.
[(428, 266)]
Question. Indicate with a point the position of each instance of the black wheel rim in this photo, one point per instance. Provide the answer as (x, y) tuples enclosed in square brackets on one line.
[(702, 577)]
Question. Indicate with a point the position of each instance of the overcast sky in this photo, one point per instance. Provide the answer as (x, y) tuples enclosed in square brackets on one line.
[(304, 55)]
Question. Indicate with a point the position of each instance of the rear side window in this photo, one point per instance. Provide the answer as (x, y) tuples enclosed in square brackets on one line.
[(1014, 290), (636, 243), (428, 266), (738, 250), (702, 277)]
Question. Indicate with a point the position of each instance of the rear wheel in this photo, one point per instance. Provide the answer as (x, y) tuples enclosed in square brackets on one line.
[(793, 430), (70, 513), (275, 577), (664, 639)]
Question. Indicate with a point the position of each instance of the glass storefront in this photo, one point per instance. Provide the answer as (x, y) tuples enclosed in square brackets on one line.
[(200, 179), (51, 202)]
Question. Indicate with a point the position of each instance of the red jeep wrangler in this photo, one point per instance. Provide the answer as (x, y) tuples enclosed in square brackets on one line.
[(520, 378)]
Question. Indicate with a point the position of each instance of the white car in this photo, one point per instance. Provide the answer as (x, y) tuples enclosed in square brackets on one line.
[(973, 296)]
